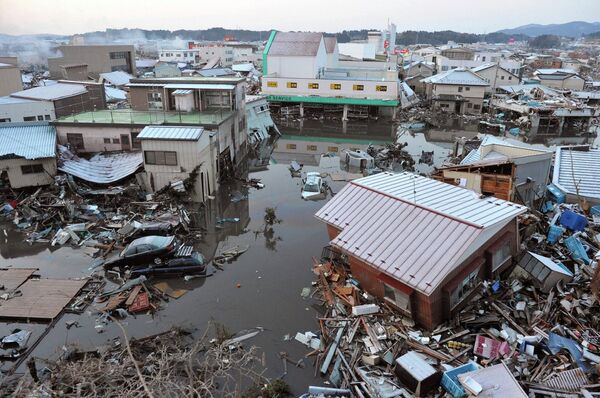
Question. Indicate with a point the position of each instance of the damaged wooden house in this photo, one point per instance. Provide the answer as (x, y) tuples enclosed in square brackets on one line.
[(421, 245), (504, 168)]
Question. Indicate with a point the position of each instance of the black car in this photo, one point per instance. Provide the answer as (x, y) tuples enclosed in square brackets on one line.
[(143, 251), (148, 229), (189, 264)]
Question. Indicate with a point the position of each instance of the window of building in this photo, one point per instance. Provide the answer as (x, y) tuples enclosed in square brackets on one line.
[(460, 89), (40, 118), (444, 68), (464, 288), (291, 146), (313, 86), (311, 148), (380, 88), (292, 85), (335, 86), (501, 256), (118, 54), (467, 88), (29, 119), (107, 140), (397, 297), (161, 158), (75, 140), (155, 100), (271, 84), (443, 105), (469, 105), (32, 168), (332, 149), (358, 87), (510, 78), (5, 120), (47, 117), (476, 106), (116, 141), (502, 77)]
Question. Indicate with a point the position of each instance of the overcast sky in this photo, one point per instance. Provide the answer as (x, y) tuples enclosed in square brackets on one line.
[(477, 16)]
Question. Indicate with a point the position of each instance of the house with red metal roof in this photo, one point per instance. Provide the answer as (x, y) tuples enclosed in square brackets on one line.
[(422, 245)]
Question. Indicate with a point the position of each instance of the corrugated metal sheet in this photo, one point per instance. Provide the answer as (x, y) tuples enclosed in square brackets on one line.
[(445, 199), (569, 380), (171, 133), (296, 44), (103, 168), (577, 167), (182, 92), (28, 140), (117, 78), (496, 381), (406, 234), (52, 93)]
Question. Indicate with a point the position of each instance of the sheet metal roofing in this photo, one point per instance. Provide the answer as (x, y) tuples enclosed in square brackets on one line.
[(575, 166), (51, 93), (457, 77), (201, 86), (171, 133), (401, 224), (101, 168), (296, 44), (117, 78), (27, 140), (496, 144), (13, 100)]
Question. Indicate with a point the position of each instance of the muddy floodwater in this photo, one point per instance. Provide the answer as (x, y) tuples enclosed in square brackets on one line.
[(262, 288)]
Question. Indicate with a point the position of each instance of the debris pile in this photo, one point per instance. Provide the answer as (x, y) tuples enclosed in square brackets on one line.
[(173, 363), (535, 330)]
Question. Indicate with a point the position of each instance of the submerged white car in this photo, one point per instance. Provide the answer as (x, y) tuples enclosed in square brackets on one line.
[(313, 185)]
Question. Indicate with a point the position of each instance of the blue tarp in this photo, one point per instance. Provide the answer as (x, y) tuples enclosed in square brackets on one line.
[(557, 343)]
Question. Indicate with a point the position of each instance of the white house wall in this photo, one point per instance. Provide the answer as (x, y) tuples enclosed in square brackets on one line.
[(190, 154), (17, 112), (19, 180), (93, 137), (324, 90)]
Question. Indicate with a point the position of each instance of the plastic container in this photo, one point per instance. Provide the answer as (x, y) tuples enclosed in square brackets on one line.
[(554, 233), (573, 221), (556, 194), (577, 250), (450, 379)]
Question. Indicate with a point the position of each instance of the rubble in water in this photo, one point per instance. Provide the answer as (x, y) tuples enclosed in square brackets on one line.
[(547, 336)]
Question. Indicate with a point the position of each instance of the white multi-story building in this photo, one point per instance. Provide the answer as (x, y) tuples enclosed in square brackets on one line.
[(304, 67), (187, 56)]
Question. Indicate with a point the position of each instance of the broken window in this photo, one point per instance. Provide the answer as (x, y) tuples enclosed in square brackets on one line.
[(5, 120), (75, 140), (397, 297), (464, 288), (32, 168), (116, 141), (155, 100), (501, 256)]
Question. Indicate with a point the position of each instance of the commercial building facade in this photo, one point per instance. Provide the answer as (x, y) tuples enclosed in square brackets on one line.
[(98, 58)]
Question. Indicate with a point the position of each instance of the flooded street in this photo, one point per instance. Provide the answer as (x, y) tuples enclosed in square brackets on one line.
[(270, 274)]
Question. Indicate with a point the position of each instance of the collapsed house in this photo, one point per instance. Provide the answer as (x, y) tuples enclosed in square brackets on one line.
[(260, 123), (576, 171), (174, 154), (421, 245), (504, 168), (27, 154), (540, 110)]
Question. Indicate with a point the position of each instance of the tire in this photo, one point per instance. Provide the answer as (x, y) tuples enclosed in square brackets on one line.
[(158, 261)]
